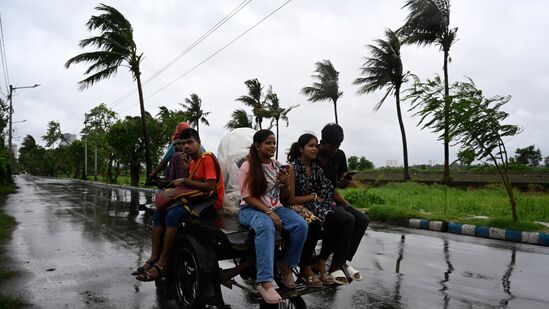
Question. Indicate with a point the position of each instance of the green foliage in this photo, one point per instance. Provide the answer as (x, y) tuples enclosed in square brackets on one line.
[(477, 123), (115, 46), (53, 133), (359, 164), (364, 164), (466, 156), (427, 99), (256, 100), (352, 162), (193, 111), (325, 85), (529, 156), (239, 119), (361, 198)]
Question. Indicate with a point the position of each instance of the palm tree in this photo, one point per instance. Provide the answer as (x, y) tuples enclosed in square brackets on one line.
[(326, 85), (239, 119), (384, 70), (255, 100), (277, 113), (116, 47), (194, 112), (428, 22)]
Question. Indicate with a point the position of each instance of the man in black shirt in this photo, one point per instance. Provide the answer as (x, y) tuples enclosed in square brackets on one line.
[(334, 163)]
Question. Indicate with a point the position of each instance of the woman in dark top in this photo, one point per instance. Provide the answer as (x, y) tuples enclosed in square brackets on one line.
[(311, 188)]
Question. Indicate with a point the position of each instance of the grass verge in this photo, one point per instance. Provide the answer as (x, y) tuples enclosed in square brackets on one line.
[(7, 223), (395, 202)]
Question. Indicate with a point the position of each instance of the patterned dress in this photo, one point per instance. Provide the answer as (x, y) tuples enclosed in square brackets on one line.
[(318, 183)]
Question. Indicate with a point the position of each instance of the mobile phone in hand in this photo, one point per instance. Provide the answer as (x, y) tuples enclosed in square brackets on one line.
[(285, 167)]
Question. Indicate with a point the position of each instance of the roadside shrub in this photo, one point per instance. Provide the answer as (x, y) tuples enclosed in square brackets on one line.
[(391, 214), (361, 198)]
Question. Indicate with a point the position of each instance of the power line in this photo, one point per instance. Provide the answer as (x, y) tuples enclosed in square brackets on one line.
[(217, 52), (186, 51), (212, 55), (3, 56)]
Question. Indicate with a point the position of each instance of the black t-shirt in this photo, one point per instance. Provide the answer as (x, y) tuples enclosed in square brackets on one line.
[(335, 166)]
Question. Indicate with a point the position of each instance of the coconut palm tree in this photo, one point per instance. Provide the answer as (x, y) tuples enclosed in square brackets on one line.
[(116, 47), (193, 111), (383, 69), (277, 113), (325, 86), (428, 22), (239, 119), (255, 100)]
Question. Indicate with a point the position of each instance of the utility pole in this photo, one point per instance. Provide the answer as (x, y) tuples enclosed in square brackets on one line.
[(86, 159), (10, 97)]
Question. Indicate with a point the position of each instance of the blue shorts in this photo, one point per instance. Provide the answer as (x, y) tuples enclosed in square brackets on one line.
[(171, 218)]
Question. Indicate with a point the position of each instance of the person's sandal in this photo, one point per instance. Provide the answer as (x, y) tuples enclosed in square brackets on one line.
[(355, 274), (339, 277), (147, 276), (270, 295), (141, 269), (326, 279), (287, 278), (312, 281)]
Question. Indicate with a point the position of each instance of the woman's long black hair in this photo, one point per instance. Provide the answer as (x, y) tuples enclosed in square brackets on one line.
[(295, 152), (255, 180)]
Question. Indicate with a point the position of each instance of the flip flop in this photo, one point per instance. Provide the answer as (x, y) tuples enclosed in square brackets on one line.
[(312, 281), (288, 280), (270, 295), (147, 276), (339, 277), (141, 269), (328, 280), (355, 274)]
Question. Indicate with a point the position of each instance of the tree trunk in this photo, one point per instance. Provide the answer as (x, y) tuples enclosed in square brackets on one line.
[(335, 110), (134, 173), (277, 140), (446, 177), (148, 163), (403, 134), (117, 171), (109, 169)]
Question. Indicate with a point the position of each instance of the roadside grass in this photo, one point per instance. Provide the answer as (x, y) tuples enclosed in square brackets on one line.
[(397, 201), (121, 180), (7, 223)]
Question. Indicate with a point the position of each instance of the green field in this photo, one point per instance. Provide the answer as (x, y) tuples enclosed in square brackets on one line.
[(396, 201)]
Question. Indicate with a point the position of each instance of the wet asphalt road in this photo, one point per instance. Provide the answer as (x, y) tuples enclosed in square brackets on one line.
[(75, 246)]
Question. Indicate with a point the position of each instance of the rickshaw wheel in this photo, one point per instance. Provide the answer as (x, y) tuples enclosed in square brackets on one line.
[(187, 277)]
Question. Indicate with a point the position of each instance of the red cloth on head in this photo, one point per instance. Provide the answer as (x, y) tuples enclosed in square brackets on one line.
[(178, 129)]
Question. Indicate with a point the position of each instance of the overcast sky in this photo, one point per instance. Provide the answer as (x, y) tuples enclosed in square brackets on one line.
[(502, 45)]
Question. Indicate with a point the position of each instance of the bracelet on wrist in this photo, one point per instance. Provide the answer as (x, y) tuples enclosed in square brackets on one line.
[(315, 197)]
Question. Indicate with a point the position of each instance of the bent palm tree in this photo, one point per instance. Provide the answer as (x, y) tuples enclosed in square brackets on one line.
[(193, 111), (428, 22), (255, 100), (277, 113), (384, 70), (116, 47), (325, 86), (239, 119)]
